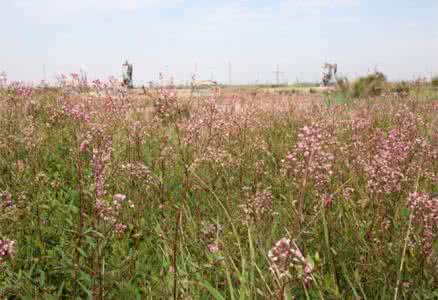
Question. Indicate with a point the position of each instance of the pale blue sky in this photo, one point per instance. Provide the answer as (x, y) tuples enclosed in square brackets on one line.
[(399, 37)]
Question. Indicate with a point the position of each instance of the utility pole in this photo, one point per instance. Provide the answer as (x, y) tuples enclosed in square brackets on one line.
[(277, 75), (230, 74), (44, 73), (212, 73)]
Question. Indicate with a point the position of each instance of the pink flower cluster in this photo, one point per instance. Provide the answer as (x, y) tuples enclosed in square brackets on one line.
[(211, 231), (211, 124), (136, 133), (424, 206), (102, 150), (139, 171), (257, 206), (91, 136), (398, 156), (165, 104), (110, 212), (6, 201), (215, 155), (105, 211), (213, 247), (105, 103), (77, 111), (120, 228), (7, 250), (311, 158), (23, 91), (286, 255)]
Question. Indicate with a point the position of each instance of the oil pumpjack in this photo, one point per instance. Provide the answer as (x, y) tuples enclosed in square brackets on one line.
[(127, 70), (329, 74)]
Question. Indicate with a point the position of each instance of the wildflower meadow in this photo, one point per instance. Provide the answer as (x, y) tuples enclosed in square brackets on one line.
[(250, 193)]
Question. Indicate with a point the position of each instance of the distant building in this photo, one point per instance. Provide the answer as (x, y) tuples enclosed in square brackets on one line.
[(203, 83), (203, 88)]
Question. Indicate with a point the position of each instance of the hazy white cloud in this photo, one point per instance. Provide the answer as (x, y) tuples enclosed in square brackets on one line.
[(58, 9), (242, 14), (321, 3)]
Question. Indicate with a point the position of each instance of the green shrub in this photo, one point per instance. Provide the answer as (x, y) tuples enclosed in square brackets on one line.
[(402, 89), (369, 86), (435, 81), (343, 85), (288, 92)]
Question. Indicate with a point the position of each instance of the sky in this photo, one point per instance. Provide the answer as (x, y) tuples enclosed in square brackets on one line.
[(241, 41)]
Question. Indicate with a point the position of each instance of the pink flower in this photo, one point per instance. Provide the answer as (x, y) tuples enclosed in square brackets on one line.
[(120, 228), (327, 200), (284, 256), (119, 197), (213, 247)]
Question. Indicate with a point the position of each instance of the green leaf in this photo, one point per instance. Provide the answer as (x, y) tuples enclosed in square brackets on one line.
[(82, 252), (42, 278), (85, 289), (216, 295), (405, 212), (61, 288)]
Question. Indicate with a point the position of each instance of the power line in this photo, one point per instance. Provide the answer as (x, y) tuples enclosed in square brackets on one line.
[(278, 73)]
